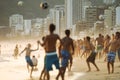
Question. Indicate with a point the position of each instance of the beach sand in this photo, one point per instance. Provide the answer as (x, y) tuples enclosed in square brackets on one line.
[(15, 69)]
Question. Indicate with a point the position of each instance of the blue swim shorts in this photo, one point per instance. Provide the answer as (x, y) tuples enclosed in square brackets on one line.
[(111, 56), (65, 58), (28, 60), (51, 59)]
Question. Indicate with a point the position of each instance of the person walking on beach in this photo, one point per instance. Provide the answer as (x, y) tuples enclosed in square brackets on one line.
[(28, 57), (50, 47), (16, 51), (65, 53)]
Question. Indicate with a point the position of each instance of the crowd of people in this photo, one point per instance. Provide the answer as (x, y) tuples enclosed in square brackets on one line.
[(61, 52)]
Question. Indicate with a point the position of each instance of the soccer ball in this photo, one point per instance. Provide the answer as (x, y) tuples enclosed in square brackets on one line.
[(44, 5), (20, 3), (101, 17)]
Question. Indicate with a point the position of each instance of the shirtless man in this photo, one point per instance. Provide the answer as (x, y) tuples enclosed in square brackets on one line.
[(118, 51), (65, 53), (92, 56), (99, 45), (106, 42), (87, 49), (50, 49), (112, 48), (27, 57)]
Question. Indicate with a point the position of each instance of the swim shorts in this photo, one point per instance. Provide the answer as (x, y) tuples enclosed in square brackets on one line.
[(111, 57), (28, 60), (51, 59), (65, 58)]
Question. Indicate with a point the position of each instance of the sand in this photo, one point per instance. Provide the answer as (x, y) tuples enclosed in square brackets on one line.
[(15, 69)]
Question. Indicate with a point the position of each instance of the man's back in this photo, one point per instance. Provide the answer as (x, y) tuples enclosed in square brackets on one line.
[(50, 42), (67, 43), (113, 45)]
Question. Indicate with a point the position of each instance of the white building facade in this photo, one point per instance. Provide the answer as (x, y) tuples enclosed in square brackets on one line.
[(109, 17), (109, 2), (118, 15), (27, 27), (16, 23), (75, 10), (57, 14)]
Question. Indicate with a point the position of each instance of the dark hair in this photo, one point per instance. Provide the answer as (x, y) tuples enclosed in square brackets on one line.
[(118, 34), (67, 32), (52, 27), (88, 38), (43, 38), (100, 34), (33, 55)]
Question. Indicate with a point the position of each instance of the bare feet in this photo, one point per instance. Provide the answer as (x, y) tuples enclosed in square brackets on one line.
[(30, 76), (40, 78), (57, 78), (98, 70)]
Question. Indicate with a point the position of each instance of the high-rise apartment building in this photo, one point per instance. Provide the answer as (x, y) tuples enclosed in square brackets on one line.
[(75, 11), (27, 27), (118, 15), (47, 21), (110, 15), (57, 14), (109, 2), (16, 21), (16, 24), (68, 13), (91, 16), (37, 27)]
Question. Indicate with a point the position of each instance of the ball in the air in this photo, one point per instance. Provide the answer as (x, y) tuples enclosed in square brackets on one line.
[(44, 5), (101, 17), (20, 3)]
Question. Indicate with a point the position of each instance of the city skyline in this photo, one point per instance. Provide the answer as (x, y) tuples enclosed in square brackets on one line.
[(30, 8), (78, 16)]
